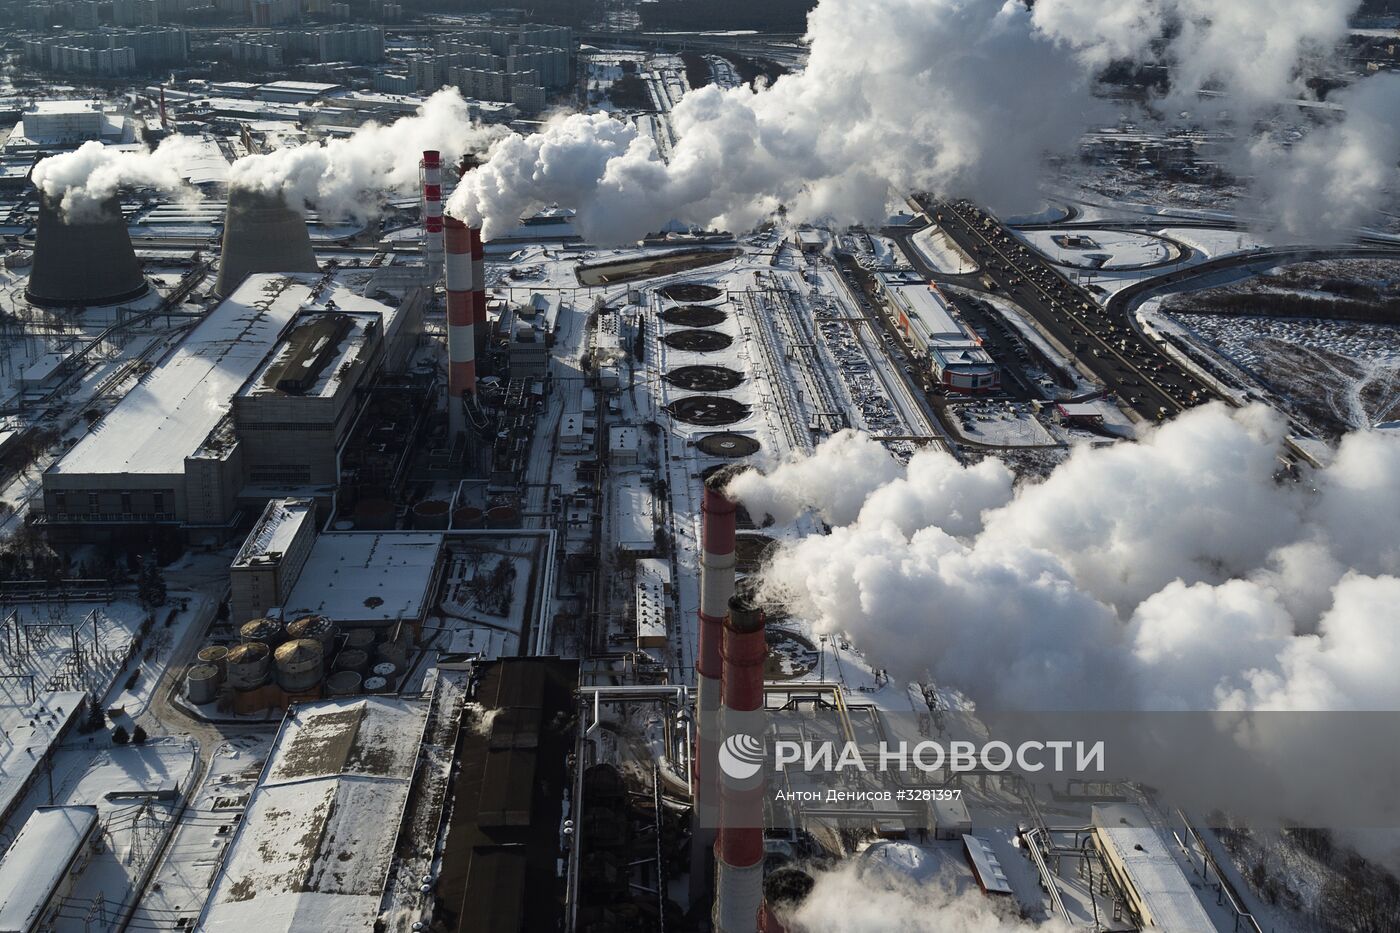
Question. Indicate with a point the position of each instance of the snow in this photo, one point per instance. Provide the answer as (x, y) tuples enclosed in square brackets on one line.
[(317, 841), (41, 855), (168, 415), (1107, 250), (941, 253), (1001, 424), (278, 527), (367, 577)]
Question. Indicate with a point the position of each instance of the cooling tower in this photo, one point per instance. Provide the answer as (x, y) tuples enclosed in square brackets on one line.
[(261, 234), (83, 261)]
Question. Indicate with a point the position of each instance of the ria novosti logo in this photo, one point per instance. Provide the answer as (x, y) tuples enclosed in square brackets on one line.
[(741, 756)]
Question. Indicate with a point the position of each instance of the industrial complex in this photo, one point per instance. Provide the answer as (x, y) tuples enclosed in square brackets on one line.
[(437, 473)]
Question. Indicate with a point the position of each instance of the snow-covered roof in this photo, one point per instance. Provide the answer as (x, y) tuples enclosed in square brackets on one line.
[(653, 577), (986, 866), (1163, 893), (37, 861), (167, 417), (927, 312), (275, 531), (634, 516), (367, 577), (317, 840)]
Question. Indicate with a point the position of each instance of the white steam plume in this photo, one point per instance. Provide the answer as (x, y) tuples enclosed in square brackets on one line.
[(954, 96), (83, 179), (1175, 573), (340, 177), (1337, 173), (848, 900)]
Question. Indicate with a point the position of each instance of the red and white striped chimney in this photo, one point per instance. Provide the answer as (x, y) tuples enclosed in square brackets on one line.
[(717, 523), (479, 291), (461, 349), (432, 212), (739, 846)]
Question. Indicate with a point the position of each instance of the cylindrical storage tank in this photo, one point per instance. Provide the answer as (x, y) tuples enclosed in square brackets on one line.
[(267, 631), (502, 516), (216, 655), (202, 684), (300, 665), (468, 516), (431, 515), (343, 684), (374, 515), (352, 659), (386, 669), (248, 665), (317, 628), (360, 638), (395, 652), (376, 685)]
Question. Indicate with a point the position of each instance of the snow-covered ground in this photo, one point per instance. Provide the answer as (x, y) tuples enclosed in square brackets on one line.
[(1001, 424), (941, 253), (1109, 250)]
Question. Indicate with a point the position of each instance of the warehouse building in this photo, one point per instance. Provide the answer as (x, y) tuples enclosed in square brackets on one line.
[(952, 352), (39, 868), (252, 405)]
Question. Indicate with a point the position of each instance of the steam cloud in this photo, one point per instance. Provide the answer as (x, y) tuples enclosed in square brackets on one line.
[(1174, 574), (955, 96), (848, 900), (338, 178), (81, 180)]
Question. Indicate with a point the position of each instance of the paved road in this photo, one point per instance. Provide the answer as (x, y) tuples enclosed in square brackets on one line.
[(1131, 366)]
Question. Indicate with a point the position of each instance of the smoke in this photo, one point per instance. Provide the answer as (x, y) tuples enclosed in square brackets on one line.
[(342, 177), (1337, 173), (82, 180), (961, 97), (1175, 573), (849, 900)]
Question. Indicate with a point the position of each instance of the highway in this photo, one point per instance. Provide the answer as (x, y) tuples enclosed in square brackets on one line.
[(1104, 340)]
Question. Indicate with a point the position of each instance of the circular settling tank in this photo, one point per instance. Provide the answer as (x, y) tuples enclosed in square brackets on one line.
[(728, 445), (690, 291), (705, 378), (694, 315), (708, 410), (697, 341)]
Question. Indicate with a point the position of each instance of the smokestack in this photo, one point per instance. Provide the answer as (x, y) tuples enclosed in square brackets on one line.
[(739, 846), (717, 523), (479, 291), (461, 350), (164, 120), (432, 212), (261, 234), (83, 260)]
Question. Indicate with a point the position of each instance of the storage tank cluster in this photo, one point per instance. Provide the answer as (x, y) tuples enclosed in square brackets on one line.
[(296, 660)]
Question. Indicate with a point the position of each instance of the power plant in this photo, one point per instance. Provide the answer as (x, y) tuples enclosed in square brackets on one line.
[(262, 233), (85, 259)]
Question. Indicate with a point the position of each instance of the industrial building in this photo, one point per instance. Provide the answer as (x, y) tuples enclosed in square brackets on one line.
[(271, 559), (953, 353), (1158, 895), (38, 868), (219, 426), (318, 837)]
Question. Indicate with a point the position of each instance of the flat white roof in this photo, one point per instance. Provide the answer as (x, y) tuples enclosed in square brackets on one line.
[(1157, 880), (276, 529), (169, 414), (652, 578), (623, 438), (316, 842), (37, 862), (634, 518), (927, 312), (367, 576)]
